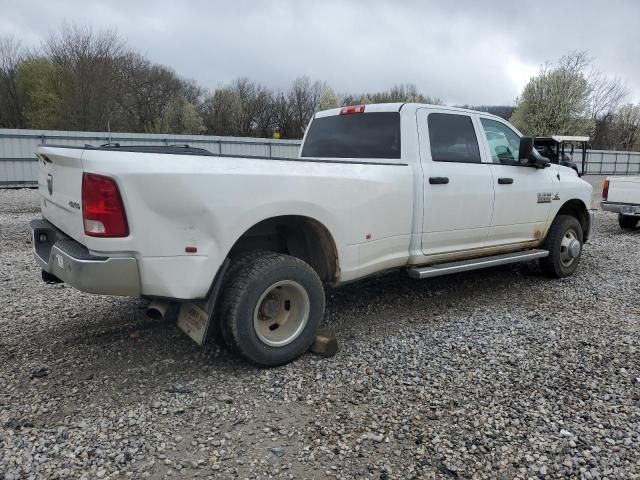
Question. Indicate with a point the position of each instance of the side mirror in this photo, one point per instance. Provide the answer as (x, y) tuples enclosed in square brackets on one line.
[(538, 161), (526, 150), (529, 155)]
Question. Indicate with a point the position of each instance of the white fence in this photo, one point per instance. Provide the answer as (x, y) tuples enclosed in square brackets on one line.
[(18, 165), (609, 162)]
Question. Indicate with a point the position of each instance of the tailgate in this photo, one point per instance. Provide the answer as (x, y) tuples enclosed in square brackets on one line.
[(624, 190), (60, 188)]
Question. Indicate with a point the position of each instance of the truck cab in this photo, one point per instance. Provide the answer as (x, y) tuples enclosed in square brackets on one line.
[(470, 193)]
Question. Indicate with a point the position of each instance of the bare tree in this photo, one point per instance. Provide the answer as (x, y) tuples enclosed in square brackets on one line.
[(12, 56), (147, 91), (263, 113), (192, 92), (399, 93), (282, 117), (575, 62), (627, 128), (221, 111), (243, 108), (606, 95), (88, 61), (303, 97), (255, 102)]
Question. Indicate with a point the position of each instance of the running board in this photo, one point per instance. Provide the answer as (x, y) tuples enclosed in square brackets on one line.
[(475, 263)]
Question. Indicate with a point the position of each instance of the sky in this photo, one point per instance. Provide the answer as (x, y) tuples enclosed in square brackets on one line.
[(463, 51)]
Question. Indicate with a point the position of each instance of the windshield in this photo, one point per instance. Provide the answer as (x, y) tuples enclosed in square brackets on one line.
[(358, 135)]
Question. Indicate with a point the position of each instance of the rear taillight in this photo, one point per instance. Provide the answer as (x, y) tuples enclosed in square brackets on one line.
[(102, 209), (352, 109), (605, 189)]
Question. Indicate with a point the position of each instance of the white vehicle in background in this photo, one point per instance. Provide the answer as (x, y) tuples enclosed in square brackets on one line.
[(621, 195), (247, 245)]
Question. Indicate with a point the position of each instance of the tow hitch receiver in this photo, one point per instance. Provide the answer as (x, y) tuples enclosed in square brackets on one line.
[(50, 278)]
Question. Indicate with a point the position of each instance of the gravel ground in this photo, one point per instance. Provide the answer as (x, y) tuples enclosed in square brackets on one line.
[(493, 374)]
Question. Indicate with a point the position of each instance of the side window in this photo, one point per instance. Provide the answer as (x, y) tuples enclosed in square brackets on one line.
[(504, 143), (452, 138)]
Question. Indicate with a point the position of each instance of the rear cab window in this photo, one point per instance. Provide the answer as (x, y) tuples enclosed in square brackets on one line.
[(453, 138), (354, 135)]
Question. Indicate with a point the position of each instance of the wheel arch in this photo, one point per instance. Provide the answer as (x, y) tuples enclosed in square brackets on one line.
[(300, 236), (577, 208)]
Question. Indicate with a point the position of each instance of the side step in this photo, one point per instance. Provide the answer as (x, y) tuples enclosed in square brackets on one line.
[(475, 263)]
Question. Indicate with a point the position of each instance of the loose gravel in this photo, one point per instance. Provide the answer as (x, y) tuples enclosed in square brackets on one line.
[(494, 374)]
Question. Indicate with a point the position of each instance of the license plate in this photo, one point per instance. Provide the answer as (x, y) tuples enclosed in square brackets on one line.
[(629, 210), (60, 260), (194, 321)]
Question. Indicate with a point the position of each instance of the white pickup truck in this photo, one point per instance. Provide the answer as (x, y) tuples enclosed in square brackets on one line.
[(247, 244), (621, 195)]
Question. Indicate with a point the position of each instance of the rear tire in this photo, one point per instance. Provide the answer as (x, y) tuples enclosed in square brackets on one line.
[(242, 261), (564, 253), (627, 222), (271, 308)]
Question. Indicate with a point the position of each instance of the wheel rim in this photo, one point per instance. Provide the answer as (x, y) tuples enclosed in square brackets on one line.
[(569, 248), (281, 313)]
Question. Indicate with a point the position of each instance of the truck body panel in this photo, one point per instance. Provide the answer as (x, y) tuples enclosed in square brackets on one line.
[(624, 189), (621, 195)]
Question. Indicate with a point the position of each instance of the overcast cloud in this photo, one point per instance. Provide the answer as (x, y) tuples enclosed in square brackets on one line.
[(476, 52)]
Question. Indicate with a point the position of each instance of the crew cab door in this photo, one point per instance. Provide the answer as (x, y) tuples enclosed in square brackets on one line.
[(458, 189), (523, 194)]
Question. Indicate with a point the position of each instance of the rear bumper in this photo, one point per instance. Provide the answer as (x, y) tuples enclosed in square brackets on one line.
[(72, 263), (624, 208)]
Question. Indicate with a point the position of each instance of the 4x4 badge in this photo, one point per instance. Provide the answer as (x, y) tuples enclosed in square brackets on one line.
[(557, 196)]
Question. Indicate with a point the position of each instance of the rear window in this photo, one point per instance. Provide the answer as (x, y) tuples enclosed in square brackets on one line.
[(357, 135), (452, 138)]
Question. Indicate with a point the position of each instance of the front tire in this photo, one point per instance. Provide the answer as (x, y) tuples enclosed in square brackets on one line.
[(271, 308), (627, 222), (564, 243)]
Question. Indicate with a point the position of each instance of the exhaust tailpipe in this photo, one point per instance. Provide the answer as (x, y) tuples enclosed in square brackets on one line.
[(157, 309)]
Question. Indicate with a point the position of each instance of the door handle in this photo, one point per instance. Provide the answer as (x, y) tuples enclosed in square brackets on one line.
[(438, 180), (505, 181)]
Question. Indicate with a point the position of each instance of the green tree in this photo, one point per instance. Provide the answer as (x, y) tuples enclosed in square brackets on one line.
[(39, 83), (182, 117), (556, 100), (328, 100)]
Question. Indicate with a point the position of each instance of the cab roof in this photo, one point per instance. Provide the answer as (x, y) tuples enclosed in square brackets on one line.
[(395, 107)]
